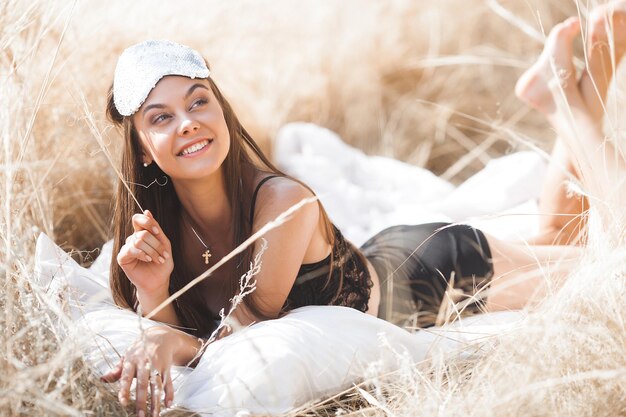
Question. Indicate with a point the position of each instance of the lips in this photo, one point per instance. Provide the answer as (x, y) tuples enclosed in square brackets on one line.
[(194, 147)]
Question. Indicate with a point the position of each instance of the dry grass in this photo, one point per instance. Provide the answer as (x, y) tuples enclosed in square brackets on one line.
[(421, 81)]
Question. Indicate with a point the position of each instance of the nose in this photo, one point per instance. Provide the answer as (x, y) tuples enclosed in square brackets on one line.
[(187, 126)]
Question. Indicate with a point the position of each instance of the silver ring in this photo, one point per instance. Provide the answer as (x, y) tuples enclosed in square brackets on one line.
[(154, 372)]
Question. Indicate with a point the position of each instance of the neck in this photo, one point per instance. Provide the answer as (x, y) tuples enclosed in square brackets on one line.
[(206, 204)]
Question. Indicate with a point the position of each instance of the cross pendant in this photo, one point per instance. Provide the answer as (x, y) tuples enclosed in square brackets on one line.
[(206, 255)]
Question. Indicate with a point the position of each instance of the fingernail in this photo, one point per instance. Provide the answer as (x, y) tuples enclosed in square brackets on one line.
[(155, 230), (141, 413), (166, 254), (149, 258), (161, 259), (169, 403)]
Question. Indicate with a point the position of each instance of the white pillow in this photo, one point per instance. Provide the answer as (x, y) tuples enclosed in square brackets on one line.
[(268, 368), (59, 274), (271, 367), (276, 365)]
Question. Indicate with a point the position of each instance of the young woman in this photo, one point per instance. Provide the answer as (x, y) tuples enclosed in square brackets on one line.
[(205, 187)]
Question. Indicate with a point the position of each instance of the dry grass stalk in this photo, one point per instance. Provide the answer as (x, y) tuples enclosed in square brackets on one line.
[(373, 77)]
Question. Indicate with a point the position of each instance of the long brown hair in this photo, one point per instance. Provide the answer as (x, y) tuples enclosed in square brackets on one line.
[(163, 202)]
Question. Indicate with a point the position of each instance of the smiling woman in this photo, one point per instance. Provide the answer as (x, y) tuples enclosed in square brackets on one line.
[(177, 125), (203, 187), (183, 130)]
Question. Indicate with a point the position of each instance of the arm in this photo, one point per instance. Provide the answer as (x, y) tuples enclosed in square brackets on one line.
[(187, 347), (150, 301), (288, 245)]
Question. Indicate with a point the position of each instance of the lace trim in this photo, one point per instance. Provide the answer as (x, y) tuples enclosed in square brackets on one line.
[(350, 289)]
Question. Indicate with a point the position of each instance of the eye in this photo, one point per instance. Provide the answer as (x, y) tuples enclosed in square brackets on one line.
[(159, 118), (199, 102)]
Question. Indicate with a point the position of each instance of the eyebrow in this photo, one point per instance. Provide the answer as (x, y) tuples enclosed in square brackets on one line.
[(189, 92)]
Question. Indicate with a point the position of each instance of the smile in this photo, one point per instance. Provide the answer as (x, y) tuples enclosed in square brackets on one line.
[(196, 147)]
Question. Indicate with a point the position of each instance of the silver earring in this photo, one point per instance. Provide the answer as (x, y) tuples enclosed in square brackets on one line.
[(145, 165)]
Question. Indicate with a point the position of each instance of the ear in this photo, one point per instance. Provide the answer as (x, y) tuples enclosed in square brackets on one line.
[(146, 156)]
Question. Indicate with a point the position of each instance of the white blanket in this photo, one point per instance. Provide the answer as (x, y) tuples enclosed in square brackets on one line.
[(276, 365), (365, 194)]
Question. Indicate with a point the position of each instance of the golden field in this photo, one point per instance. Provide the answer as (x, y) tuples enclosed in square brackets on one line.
[(427, 82)]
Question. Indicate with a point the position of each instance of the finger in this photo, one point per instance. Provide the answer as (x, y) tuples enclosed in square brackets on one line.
[(131, 254), (143, 381), (145, 241), (150, 239), (114, 374), (169, 388), (128, 373), (128, 255), (142, 222), (160, 234), (145, 222), (156, 386)]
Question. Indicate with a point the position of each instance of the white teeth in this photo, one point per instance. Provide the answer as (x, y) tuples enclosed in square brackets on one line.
[(195, 148)]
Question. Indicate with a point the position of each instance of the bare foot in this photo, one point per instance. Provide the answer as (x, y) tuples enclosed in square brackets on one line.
[(605, 46), (553, 77)]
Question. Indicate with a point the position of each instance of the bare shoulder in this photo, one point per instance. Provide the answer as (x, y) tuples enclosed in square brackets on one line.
[(279, 194), (284, 188)]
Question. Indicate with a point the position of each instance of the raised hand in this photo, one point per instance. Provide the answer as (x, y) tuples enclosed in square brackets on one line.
[(146, 257)]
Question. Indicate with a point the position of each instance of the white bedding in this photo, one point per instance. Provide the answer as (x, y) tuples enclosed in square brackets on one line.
[(276, 365), (365, 194)]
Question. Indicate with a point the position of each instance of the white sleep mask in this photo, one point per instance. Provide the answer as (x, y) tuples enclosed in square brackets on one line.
[(141, 66)]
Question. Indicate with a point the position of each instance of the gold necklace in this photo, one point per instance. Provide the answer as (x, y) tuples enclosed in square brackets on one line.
[(207, 253)]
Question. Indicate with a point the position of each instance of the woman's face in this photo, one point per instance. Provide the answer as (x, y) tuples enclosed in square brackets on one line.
[(182, 129)]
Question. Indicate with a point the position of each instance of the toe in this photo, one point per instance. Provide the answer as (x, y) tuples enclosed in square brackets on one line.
[(559, 47), (563, 34), (605, 20)]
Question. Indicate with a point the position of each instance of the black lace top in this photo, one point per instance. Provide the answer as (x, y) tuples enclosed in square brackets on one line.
[(348, 285)]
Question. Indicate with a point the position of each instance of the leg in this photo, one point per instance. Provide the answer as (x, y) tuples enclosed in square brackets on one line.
[(524, 275), (563, 219), (561, 215), (550, 86)]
